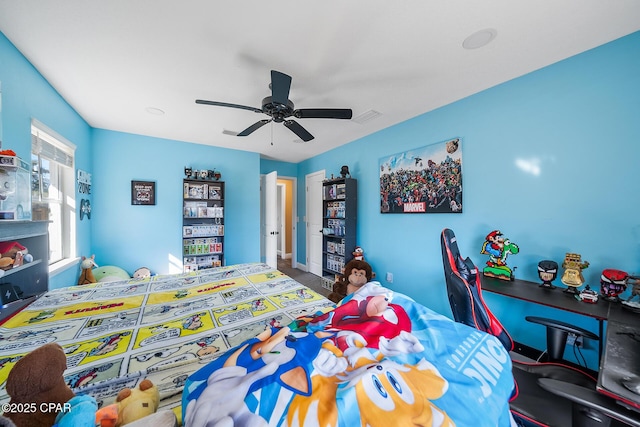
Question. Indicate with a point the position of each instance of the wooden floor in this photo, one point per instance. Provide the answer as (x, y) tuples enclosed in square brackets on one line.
[(307, 279)]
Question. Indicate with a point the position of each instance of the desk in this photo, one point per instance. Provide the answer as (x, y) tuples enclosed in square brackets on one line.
[(621, 356), (555, 298), (621, 352)]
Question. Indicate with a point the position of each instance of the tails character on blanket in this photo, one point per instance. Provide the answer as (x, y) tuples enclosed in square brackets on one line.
[(368, 362)]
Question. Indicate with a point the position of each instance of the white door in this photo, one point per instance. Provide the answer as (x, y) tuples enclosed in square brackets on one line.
[(282, 214), (269, 225), (314, 221)]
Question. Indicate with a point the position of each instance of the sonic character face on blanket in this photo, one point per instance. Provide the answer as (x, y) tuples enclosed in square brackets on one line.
[(378, 359)]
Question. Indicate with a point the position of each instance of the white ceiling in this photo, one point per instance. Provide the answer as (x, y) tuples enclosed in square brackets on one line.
[(111, 60)]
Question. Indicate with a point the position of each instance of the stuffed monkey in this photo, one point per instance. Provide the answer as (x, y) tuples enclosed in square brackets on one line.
[(356, 274)]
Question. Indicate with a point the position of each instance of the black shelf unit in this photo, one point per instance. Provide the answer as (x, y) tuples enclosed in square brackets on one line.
[(202, 224), (31, 279), (339, 222)]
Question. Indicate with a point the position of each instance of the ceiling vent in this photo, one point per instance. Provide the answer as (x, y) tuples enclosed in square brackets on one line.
[(367, 116)]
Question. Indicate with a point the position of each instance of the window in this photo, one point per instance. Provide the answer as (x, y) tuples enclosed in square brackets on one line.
[(53, 190)]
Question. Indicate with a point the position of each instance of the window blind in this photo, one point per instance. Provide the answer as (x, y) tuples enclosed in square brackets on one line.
[(49, 148)]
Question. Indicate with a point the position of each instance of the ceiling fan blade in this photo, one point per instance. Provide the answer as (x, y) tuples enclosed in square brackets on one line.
[(254, 127), (280, 86), (298, 130), (226, 104), (323, 113)]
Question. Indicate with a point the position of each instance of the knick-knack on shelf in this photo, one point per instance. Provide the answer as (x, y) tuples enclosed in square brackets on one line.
[(547, 272)]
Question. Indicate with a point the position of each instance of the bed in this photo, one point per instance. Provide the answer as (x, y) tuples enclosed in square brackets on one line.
[(187, 334)]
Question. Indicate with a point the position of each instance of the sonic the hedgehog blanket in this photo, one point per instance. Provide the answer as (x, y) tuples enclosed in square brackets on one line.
[(378, 359)]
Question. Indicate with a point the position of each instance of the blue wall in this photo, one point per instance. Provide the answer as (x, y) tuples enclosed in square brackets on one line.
[(576, 121), (26, 95), (132, 236), (283, 168)]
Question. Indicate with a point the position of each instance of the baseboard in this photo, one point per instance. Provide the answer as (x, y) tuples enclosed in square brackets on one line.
[(302, 267)]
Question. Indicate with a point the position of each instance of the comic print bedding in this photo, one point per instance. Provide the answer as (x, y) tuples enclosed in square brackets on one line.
[(378, 359), (163, 328)]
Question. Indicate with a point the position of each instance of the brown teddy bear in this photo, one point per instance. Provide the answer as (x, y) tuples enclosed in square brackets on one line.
[(356, 273), (37, 379)]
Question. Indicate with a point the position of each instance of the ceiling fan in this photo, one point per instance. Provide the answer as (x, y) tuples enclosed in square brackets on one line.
[(280, 108)]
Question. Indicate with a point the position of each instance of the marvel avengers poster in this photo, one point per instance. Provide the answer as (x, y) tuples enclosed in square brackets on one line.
[(423, 180)]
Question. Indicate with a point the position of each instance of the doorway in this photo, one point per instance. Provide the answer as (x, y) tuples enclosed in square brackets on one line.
[(283, 212), (286, 219)]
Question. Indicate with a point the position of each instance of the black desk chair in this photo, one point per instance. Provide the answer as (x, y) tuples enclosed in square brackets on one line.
[(547, 393)]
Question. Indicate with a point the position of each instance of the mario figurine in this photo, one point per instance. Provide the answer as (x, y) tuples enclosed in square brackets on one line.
[(498, 248)]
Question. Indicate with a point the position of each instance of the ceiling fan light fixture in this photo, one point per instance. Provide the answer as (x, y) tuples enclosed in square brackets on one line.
[(480, 38), (279, 108)]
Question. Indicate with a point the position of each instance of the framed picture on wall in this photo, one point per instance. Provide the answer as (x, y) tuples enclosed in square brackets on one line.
[(423, 180), (143, 193)]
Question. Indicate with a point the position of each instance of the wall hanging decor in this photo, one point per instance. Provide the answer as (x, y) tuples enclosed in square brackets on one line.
[(143, 193), (83, 179), (423, 180)]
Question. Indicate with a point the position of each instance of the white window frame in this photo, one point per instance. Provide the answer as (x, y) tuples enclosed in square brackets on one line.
[(46, 143)]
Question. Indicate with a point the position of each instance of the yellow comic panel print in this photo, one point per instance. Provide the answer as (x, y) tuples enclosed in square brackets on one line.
[(6, 364), (97, 348), (243, 311), (296, 297), (83, 309), (205, 289), (264, 277), (182, 327)]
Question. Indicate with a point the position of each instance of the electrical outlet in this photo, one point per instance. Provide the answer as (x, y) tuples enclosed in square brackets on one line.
[(390, 277), (574, 339)]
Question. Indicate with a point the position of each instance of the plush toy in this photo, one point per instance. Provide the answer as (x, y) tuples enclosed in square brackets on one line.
[(142, 273), (6, 263), (8, 253), (110, 273), (80, 411), (37, 380), (131, 405), (86, 275), (356, 274)]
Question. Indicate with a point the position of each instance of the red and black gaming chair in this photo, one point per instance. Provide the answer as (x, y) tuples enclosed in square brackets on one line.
[(545, 394)]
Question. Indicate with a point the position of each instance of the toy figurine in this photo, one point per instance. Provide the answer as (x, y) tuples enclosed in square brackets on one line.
[(572, 276), (358, 253), (498, 248), (547, 272), (613, 283), (588, 295), (635, 291)]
